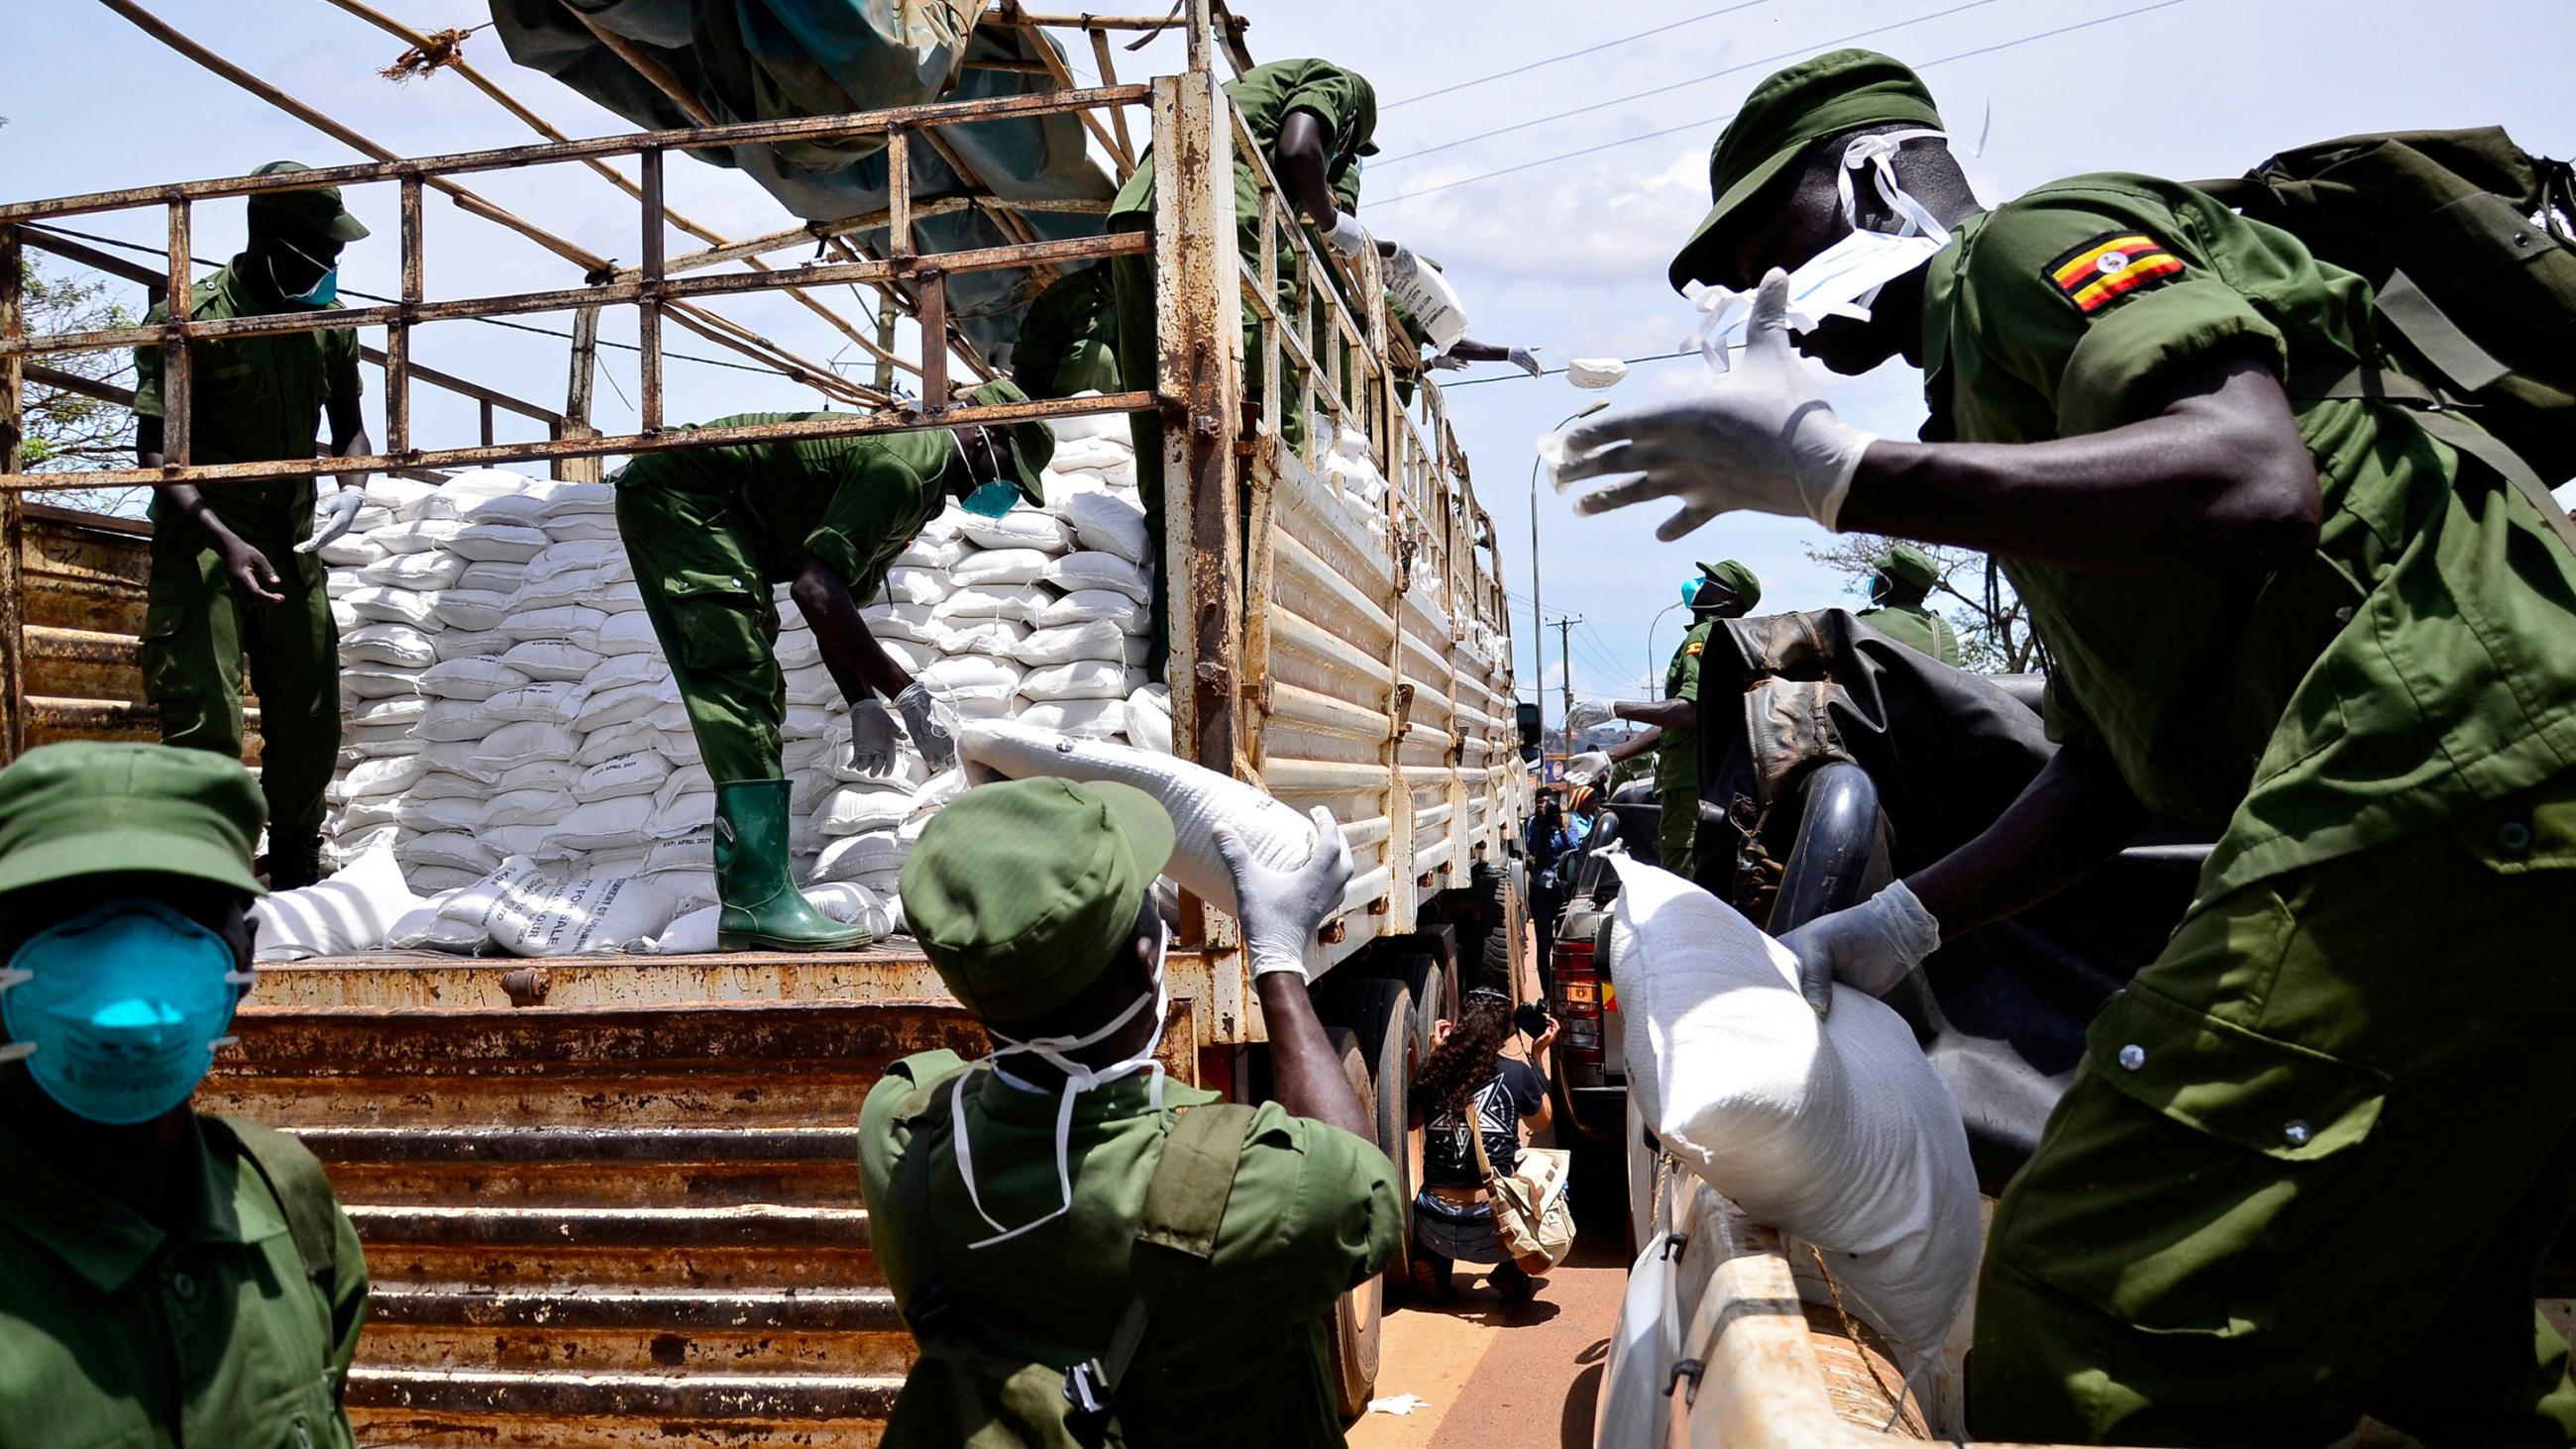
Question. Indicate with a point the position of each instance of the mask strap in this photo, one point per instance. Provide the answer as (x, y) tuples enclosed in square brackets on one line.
[(1878, 153), (1078, 1080), (16, 1051)]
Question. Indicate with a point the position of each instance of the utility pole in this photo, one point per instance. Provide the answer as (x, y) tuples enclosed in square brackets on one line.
[(1565, 657)]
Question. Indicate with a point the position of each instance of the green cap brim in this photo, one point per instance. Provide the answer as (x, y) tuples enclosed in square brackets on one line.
[(345, 227), (1698, 258), (176, 840)]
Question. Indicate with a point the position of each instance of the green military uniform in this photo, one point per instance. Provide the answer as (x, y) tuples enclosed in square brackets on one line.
[(1267, 95), (2315, 1151), (193, 1321), (1241, 1360), (710, 530), (1904, 619), (2382, 731), (203, 1329), (250, 399), (1677, 748), (1677, 762), (1022, 894), (1069, 338)]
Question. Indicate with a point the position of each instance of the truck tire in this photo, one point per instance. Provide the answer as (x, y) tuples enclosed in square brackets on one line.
[(1357, 1315), (1379, 1011), (1502, 928)]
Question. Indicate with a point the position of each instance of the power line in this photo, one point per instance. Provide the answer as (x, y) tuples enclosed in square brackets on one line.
[(163, 253), (1385, 161), (1721, 120), (1572, 54)]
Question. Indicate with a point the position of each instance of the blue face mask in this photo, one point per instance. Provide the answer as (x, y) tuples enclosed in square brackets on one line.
[(994, 496), (322, 293), (118, 1012), (1690, 590)]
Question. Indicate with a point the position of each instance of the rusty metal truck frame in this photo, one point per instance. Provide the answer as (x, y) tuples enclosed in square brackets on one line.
[(1258, 583)]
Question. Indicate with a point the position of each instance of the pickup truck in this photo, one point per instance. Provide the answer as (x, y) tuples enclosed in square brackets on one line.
[(612, 1201)]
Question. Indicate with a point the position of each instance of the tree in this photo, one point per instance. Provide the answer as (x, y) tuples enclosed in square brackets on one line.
[(70, 431), (1993, 623)]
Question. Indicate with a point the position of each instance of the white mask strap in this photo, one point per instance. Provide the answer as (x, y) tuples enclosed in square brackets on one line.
[(17, 1051), (1877, 151), (1078, 1080)]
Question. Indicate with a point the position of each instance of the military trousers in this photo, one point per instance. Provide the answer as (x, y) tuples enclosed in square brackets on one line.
[(1132, 281), (2310, 1164), (697, 563), (197, 632)]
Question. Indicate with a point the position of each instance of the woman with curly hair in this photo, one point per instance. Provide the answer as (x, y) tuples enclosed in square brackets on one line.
[(1466, 1086)]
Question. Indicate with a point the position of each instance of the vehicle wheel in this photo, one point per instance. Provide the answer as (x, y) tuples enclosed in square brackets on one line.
[(1358, 1314), (1503, 929), (1380, 1011)]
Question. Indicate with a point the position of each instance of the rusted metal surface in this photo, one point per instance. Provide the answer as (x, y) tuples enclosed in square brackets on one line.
[(13, 454), (593, 445)]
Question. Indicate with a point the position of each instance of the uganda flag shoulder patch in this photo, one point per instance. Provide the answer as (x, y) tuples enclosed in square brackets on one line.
[(1693, 648), (2111, 266)]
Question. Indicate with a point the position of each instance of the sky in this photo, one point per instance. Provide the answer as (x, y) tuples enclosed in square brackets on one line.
[(1600, 135)]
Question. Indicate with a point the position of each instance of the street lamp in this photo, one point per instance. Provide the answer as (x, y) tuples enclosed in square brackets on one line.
[(1650, 644), (1538, 616)]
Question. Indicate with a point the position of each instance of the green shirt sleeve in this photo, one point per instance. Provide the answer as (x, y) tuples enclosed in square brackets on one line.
[(340, 379), (1681, 681), (1313, 1211), (881, 1147), (147, 367), (348, 1297), (2092, 295), (872, 516)]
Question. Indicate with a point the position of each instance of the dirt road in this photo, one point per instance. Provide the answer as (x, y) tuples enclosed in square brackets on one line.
[(1495, 1374)]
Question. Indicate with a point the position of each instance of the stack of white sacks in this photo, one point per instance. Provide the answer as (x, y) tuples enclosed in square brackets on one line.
[(514, 739)]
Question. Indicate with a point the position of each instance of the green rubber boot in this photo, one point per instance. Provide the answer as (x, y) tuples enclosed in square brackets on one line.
[(763, 910)]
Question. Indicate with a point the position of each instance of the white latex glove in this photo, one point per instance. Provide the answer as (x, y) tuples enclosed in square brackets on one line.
[(334, 514), (1526, 359), (1400, 266), (1761, 438), (932, 727), (1868, 947), (1346, 236), (1587, 767), (1586, 714), (1282, 909), (1445, 362), (872, 739)]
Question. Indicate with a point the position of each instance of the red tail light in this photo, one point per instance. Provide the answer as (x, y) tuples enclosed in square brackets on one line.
[(1577, 1001)]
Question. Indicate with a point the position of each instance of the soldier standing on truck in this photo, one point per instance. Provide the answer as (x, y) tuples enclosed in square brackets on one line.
[(1068, 340), (1313, 120), (166, 1276), (1898, 585), (1008, 1193), (233, 571), (2317, 1149), (711, 529), (1727, 590)]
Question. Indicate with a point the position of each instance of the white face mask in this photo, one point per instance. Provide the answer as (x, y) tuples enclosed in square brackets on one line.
[(1078, 1080), (1845, 278)]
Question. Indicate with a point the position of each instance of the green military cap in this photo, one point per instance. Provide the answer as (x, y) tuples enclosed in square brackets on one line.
[(1032, 443), (1842, 90), (319, 207), (1747, 586), (1021, 891), (1905, 564), (88, 807)]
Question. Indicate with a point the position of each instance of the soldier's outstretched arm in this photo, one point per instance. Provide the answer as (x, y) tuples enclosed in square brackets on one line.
[(2074, 815), (2215, 477), (247, 568), (859, 664)]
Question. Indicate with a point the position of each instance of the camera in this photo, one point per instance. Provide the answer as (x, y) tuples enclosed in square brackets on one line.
[(1531, 1018)]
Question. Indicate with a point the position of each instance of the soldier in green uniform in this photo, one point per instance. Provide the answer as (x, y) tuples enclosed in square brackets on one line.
[(1069, 338), (1007, 1193), (167, 1278), (233, 571), (1726, 590), (2317, 1148), (711, 530), (1314, 120), (1903, 579)]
